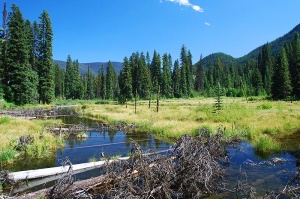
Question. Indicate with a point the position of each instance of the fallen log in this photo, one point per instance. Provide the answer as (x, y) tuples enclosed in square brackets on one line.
[(15, 177), (78, 184), (41, 173)]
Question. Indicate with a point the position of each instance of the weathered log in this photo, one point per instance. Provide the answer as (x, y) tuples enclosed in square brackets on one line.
[(41, 173)]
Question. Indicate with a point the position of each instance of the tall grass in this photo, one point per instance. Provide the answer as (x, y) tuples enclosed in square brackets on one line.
[(11, 129), (258, 120)]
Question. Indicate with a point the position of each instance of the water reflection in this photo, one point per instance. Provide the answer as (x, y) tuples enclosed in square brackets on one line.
[(110, 142)]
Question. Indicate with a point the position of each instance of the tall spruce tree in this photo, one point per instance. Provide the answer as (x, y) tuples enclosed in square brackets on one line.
[(281, 87), (45, 64), (199, 79), (126, 81), (295, 65), (176, 79), (21, 81), (103, 83), (144, 78), (167, 76), (59, 82), (257, 81), (110, 81), (69, 78), (155, 68), (90, 85)]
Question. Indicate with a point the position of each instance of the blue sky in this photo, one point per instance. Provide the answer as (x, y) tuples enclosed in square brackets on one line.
[(103, 30)]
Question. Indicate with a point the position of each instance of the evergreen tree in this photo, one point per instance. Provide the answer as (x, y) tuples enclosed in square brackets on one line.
[(90, 85), (77, 86), (103, 83), (144, 78), (185, 72), (265, 66), (295, 66), (281, 87), (125, 81), (257, 81), (176, 80), (59, 82), (167, 76), (155, 68), (69, 78), (45, 66), (110, 80), (199, 82), (21, 81)]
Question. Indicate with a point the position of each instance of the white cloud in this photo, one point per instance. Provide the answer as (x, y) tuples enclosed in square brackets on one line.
[(188, 4), (206, 23)]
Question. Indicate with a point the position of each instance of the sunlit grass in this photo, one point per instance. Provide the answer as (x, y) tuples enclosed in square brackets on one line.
[(258, 120), (11, 129)]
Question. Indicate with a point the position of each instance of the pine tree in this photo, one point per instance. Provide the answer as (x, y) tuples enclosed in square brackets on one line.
[(69, 78), (167, 76), (103, 83), (90, 85), (110, 80), (45, 66), (281, 87), (257, 81), (59, 82), (295, 66), (77, 86), (144, 78), (21, 80), (219, 92), (125, 82), (185, 73), (155, 68), (176, 79), (199, 82)]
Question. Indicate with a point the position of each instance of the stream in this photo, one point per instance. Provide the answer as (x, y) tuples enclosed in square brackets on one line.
[(247, 167)]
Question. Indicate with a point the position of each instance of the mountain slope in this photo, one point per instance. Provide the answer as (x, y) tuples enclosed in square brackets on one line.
[(275, 47), (94, 66)]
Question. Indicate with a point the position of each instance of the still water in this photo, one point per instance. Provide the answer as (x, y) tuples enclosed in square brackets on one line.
[(246, 168)]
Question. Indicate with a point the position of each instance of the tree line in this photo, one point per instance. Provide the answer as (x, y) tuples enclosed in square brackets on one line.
[(28, 73), (26, 64)]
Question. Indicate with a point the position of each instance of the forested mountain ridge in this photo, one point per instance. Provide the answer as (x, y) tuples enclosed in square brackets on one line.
[(94, 66), (213, 58), (275, 47)]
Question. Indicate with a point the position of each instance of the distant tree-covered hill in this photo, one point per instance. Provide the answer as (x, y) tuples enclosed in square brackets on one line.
[(213, 58), (275, 47), (94, 66)]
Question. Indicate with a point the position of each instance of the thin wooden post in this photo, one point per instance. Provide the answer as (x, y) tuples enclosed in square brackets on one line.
[(157, 102), (126, 102), (150, 99), (135, 101)]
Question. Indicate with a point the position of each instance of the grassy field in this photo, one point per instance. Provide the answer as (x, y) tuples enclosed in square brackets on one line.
[(11, 129), (260, 121), (264, 123)]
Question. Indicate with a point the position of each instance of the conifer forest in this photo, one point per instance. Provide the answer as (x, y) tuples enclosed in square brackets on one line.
[(29, 75)]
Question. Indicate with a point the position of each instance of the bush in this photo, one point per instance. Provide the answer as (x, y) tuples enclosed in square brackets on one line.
[(265, 106)]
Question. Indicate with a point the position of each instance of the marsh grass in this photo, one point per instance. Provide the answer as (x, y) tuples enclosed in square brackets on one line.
[(11, 129), (258, 120)]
